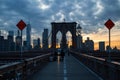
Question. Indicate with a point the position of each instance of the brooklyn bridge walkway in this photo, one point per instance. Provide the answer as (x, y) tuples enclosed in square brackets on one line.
[(68, 69)]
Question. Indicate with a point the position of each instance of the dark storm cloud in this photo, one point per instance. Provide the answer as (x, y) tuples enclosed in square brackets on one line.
[(13, 11), (91, 14), (10, 8), (111, 9)]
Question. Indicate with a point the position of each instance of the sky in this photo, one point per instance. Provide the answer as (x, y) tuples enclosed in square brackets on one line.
[(90, 14)]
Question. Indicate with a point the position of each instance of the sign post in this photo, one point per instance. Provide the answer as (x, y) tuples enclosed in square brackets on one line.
[(21, 25), (109, 24)]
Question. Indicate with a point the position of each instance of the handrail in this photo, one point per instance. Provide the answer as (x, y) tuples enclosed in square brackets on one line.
[(97, 58), (37, 57), (90, 56), (18, 65), (117, 63), (108, 70), (10, 67)]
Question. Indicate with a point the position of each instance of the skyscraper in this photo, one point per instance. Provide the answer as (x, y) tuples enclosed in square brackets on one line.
[(28, 36), (89, 44), (45, 39), (36, 43), (0, 32), (39, 42), (1, 43), (6, 45), (25, 45), (18, 41), (102, 46), (11, 33), (11, 36), (11, 44)]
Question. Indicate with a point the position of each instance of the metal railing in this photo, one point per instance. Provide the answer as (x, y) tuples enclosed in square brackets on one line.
[(108, 70), (21, 70)]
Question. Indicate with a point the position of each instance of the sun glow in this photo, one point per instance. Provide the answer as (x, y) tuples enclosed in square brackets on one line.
[(43, 5), (113, 44)]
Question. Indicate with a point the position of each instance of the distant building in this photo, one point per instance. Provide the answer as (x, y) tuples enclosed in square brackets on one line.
[(28, 36), (115, 50), (45, 39), (39, 44), (18, 42), (11, 44), (10, 33), (0, 33), (89, 44), (25, 45), (36, 43), (102, 46), (1, 43), (6, 46)]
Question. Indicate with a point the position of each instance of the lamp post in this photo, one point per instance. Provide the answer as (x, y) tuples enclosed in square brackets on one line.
[(78, 29), (79, 37)]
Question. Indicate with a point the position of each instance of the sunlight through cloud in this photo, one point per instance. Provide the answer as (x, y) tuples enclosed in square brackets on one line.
[(99, 8)]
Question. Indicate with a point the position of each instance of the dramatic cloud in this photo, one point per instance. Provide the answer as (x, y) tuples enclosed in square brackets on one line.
[(90, 14)]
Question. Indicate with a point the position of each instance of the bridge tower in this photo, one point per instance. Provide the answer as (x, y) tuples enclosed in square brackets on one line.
[(63, 27)]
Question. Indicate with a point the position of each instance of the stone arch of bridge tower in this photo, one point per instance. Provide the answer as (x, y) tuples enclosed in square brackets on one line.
[(58, 39), (63, 27), (69, 38)]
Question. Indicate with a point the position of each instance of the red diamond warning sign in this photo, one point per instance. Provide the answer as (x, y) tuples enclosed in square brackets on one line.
[(21, 25), (109, 24)]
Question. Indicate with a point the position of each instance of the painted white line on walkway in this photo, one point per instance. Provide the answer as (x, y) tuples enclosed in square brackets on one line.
[(65, 70), (88, 69), (64, 66), (65, 78)]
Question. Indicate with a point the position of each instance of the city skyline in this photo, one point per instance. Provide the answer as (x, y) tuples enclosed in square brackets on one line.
[(69, 41), (91, 15)]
